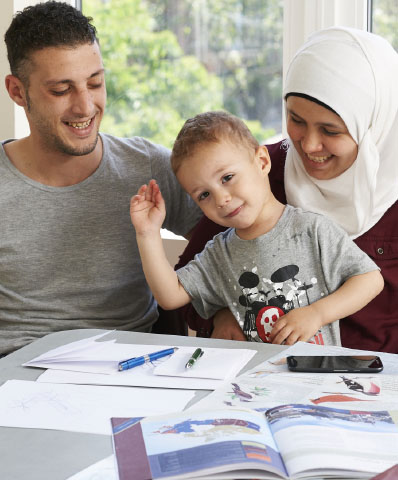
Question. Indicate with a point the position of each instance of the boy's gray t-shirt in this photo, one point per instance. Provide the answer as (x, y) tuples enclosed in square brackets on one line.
[(302, 259), (68, 255)]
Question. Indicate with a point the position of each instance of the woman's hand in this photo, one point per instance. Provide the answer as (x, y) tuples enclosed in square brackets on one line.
[(226, 326)]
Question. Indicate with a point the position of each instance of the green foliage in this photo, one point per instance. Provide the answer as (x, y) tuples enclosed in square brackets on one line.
[(158, 74), (385, 20)]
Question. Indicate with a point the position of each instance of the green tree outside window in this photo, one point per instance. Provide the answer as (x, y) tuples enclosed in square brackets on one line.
[(168, 60)]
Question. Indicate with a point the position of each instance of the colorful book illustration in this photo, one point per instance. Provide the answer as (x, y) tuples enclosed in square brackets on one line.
[(349, 391), (289, 441)]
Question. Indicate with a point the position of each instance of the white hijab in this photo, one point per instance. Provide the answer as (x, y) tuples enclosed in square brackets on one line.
[(356, 74)]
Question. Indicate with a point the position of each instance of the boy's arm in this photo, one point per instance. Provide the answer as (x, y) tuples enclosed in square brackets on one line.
[(302, 323), (147, 211)]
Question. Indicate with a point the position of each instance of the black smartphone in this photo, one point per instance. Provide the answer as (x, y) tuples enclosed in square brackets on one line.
[(335, 364)]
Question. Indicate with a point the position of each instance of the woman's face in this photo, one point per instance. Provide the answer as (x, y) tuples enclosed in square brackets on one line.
[(320, 137)]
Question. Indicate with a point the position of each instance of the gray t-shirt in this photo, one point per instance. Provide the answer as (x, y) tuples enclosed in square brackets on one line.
[(68, 255), (303, 258)]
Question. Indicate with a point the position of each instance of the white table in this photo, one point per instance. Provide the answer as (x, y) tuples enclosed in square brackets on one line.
[(33, 454)]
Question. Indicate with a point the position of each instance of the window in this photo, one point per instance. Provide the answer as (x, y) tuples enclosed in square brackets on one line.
[(167, 60), (384, 20)]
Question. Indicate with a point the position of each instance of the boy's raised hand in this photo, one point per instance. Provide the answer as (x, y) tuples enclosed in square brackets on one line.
[(147, 209)]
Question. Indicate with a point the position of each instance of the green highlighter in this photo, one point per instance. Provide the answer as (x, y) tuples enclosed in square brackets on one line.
[(194, 358)]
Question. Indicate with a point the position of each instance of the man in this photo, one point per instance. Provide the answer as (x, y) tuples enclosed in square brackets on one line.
[(68, 255)]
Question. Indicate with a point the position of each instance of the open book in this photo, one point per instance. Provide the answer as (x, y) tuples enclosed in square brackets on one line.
[(289, 441)]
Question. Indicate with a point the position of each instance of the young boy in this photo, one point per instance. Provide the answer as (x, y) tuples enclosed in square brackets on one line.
[(286, 274)]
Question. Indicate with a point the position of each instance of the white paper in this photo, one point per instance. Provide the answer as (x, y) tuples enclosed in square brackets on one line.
[(81, 408), (90, 362), (216, 363), (105, 469), (103, 358), (73, 347), (91, 356), (140, 377), (348, 391)]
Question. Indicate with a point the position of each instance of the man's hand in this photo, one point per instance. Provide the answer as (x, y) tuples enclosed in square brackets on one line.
[(226, 326), (147, 209), (299, 324)]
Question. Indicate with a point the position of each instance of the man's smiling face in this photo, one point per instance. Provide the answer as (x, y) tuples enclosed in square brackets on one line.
[(66, 98)]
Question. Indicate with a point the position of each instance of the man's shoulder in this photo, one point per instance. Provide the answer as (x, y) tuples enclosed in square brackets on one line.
[(136, 146)]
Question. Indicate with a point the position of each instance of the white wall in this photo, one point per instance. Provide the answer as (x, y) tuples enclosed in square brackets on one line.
[(13, 122), (6, 106), (303, 17)]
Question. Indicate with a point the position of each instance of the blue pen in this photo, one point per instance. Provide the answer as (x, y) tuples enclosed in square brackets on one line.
[(149, 357)]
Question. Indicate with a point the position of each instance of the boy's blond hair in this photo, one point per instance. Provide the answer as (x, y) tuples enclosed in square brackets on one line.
[(210, 127)]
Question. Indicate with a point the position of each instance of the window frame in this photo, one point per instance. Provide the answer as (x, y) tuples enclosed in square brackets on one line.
[(300, 19), (303, 17)]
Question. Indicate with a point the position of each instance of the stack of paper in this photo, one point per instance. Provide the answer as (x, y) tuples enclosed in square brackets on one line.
[(91, 362)]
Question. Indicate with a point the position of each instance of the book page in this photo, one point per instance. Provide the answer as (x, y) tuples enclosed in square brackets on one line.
[(322, 440), (350, 391), (200, 442)]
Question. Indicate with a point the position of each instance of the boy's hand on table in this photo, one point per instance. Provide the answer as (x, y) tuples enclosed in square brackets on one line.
[(299, 324)]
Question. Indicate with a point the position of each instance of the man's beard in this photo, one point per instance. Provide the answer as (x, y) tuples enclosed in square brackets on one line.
[(70, 150), (53, 141)]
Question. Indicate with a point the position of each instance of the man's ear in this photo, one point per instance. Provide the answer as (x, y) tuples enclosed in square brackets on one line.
[(16, 90), (264, 159)]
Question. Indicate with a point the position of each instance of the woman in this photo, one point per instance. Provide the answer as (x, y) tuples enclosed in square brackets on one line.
[(340, 160)]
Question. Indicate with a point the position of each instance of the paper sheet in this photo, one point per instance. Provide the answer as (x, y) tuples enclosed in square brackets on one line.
[(95, 363), (215, 363), (139, 376), (105, 469), (81, 408), (88, 355), (349, 391), (103, 357)]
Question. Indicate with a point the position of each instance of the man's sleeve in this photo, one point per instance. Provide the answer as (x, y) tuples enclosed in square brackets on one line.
[(200, 280)]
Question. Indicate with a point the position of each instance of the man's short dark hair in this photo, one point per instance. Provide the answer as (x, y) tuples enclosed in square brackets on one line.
[(47, 24)]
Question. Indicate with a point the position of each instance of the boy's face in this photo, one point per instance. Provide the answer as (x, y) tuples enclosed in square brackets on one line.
[(229, 183), (66, 97)]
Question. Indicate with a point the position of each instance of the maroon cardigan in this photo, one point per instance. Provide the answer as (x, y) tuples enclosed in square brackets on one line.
[(375, 327)]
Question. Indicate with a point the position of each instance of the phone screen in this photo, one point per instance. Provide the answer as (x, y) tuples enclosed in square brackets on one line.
[(335, 363)]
